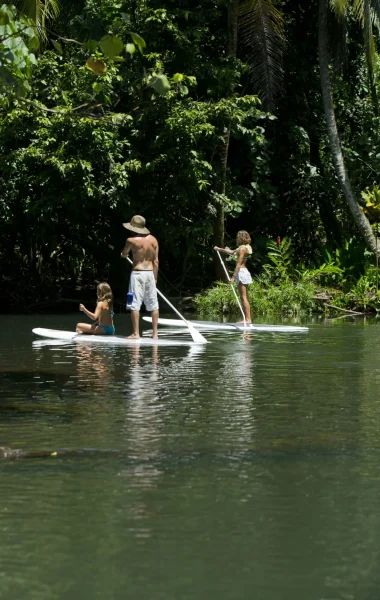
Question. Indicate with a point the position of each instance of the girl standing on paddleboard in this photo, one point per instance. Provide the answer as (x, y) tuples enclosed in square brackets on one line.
[(241, 274), (103, 315)]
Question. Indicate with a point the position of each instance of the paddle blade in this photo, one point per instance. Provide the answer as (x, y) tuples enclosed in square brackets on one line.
[(196, 335)]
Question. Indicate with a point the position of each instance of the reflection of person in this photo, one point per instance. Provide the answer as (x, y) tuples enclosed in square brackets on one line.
[(241, 274), (142, 283), (103, 315)]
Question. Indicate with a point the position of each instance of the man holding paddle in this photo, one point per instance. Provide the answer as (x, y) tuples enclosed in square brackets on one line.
[(143, 280)]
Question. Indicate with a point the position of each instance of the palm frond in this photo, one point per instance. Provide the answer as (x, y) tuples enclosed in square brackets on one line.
[(261, 27), (337, 29), (376, 12), (339, 7), (370, 49), (359, 8), (40, 11)]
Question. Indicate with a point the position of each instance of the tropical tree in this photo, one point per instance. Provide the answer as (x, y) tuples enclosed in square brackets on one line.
[(365, 11), (258, 26)]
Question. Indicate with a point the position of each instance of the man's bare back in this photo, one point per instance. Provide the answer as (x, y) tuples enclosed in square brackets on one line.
[(142, 283), (144, 253)]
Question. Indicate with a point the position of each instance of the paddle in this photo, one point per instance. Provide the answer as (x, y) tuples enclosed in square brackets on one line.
[(233, 289), (196, 335)]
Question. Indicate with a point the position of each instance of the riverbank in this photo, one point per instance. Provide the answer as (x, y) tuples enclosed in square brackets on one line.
[(289, 298)]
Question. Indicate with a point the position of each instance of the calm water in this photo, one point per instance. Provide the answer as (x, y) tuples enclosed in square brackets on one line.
[(249, 468)]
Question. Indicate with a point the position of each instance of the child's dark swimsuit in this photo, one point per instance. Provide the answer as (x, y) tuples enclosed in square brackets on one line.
[(108, 329)]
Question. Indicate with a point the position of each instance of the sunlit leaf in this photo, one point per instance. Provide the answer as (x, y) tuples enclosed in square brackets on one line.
[(139, 41), (111, 45), (130, 48), (160, 84), (57, 46), (96, 66), (177, 78)]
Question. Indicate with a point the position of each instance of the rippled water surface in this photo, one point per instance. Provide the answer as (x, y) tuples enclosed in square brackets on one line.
[(248, 468)]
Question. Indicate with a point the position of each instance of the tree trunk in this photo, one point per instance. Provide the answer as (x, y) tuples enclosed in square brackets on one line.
[(360, 219), (218, 229)]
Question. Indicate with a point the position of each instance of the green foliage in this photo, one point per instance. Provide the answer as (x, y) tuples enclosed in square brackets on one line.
[(124, 110), (372, 204), (280, 256), (261, 27), (285, 298), (18, 43)]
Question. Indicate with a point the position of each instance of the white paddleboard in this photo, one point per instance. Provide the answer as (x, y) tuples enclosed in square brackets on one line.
[(116, 340), (215, 326)]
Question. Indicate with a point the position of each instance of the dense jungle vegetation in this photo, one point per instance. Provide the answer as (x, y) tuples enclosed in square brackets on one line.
[(206, 117)]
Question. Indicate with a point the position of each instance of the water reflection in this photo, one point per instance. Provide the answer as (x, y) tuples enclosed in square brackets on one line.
[(253, 455)]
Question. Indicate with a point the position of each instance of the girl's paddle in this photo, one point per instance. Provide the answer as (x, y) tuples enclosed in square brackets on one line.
[(233, 289), (196, 335)]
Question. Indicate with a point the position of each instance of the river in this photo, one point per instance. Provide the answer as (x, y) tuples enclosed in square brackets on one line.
[(247, 468)]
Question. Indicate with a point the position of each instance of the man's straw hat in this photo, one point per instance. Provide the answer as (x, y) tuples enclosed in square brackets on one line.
[(137, 225)]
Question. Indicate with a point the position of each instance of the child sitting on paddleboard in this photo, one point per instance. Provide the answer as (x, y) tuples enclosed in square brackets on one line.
[(241, 274), (103, 315)]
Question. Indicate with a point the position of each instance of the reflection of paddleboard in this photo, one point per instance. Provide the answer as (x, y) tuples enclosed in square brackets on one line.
[(214, 325), (117, 340)]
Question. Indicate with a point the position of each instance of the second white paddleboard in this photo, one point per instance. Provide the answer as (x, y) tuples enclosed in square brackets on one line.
[(214, 325)]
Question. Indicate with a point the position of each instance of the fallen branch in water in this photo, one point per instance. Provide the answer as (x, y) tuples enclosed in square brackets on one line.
[(354, 312)]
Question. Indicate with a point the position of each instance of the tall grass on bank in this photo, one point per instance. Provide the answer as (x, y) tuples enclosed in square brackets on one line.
[(285, 298), (289, 288)]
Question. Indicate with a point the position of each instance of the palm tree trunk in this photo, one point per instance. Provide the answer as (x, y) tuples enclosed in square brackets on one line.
[(218, 228), (360, 219)]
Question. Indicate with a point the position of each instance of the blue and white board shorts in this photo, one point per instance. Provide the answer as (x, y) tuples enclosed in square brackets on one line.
[(143, 286), (243, 276)]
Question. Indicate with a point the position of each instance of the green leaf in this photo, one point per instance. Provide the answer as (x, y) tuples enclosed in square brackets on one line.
[(34, 43), (139, 41), (8, 55), (29, 31), (160, 84), (177, 78), (111, 45), (97, 87), (58, 47), (4, 18), (126, 18), (130, 48), (91, 45)]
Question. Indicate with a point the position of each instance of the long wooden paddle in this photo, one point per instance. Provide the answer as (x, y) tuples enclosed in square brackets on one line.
[(196, 335), (233, 289)]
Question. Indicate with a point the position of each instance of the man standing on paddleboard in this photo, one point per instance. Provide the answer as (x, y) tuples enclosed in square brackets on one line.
[(143, 280)]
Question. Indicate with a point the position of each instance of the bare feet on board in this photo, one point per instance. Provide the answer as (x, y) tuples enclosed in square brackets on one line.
[(133, 336), (242, 323), (78, 331)]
